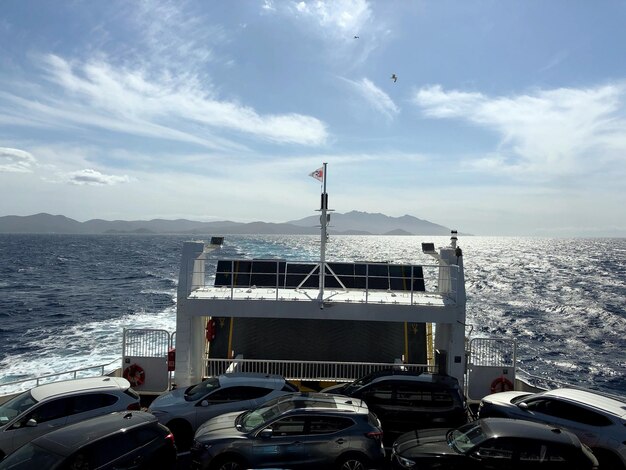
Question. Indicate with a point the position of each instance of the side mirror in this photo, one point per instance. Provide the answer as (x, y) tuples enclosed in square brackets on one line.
[(522, 406), (266, 433), (204, 403), (31, 423)]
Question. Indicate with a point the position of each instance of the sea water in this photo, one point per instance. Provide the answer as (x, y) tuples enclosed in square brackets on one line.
[(65, 299)]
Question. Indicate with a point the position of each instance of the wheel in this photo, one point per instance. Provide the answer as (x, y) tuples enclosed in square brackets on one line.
[(183, 436), (228, 463), (353, 462)]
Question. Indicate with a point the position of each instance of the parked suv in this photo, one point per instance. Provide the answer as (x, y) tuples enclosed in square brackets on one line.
[(495, 444), (599, 421), (404, 401), (118, 440), (184, 410), (46, 407), (296, 431)]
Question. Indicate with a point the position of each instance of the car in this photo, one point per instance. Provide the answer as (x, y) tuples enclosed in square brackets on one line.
[(184, 410), (599, 421), (493, 444), (49, 406), (405, 400), (296, 431), (118, 440)]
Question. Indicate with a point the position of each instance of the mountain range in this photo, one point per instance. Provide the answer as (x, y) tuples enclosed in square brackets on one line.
[(350, 223)]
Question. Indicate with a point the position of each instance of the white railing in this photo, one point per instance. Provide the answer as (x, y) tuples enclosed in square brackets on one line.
[(90, 371), (329, 371), (365, 281)]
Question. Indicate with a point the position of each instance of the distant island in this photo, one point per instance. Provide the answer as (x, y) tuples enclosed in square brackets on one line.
[(350, 223)]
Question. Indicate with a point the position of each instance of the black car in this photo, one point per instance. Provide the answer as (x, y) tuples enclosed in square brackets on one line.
[(404, 401), (118, 440), (493, 444), (298, 431)]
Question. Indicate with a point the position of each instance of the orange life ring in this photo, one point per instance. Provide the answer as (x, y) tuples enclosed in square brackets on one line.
[(135, 375), (501, 384)]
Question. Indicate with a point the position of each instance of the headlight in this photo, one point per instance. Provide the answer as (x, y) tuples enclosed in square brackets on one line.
[(406, 463)]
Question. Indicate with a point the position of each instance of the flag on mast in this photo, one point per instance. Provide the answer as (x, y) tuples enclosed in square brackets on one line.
[(318, 174)]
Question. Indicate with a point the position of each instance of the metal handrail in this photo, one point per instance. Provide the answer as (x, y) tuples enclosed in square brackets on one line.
[(73, 373)]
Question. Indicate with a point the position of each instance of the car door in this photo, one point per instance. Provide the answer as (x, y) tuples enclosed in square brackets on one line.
[(585, 423), (324, 441), (283, 447), (223, 400), (380, 400), (41, 419), (493, 454)]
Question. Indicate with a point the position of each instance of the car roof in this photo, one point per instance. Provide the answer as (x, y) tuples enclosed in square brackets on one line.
[(325, 402), (67, 387), (506, 427), (422, 377), (69, 438), (594, 400), (245, 377)]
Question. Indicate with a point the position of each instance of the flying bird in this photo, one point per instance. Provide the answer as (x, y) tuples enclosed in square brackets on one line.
[(394, 77), (356, 37)]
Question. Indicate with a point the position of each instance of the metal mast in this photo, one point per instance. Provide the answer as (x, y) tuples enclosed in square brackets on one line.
[(324, 236)]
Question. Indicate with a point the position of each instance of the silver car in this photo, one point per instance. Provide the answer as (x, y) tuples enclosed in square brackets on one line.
[(598, 421), (184, 410), (50, 406)]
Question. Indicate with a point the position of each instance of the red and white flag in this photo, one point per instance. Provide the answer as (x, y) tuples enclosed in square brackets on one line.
[(318, 174)]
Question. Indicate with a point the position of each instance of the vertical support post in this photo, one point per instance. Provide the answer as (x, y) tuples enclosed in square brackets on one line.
[(324, 237)]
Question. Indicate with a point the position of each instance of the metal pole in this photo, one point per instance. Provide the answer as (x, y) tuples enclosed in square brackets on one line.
[(323, 221)]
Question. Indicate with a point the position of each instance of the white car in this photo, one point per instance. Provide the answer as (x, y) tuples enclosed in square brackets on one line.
[(598, 421), (50, 406)]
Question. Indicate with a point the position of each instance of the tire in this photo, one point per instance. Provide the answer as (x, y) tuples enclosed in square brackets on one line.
[(353, 462), (183, 435), (228, 463)]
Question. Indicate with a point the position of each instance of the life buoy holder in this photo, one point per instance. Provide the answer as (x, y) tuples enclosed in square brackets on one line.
[(501, 384), (135, 374)]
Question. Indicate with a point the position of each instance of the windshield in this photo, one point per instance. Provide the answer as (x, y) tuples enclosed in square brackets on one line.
[(15, 406), (31, 456), (466, 437), (196, 392), (266, 413)]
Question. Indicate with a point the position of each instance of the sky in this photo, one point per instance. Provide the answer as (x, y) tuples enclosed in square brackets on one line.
[(506, 117)]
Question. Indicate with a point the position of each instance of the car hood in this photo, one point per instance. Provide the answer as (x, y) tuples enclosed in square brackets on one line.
[(218, 427), (424, 441), (169, 399)]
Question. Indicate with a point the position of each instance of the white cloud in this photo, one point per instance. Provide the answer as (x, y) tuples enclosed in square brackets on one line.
[(547, 133), (375, 97), (94, 177), (15, 160), (344, 17), (133, 102)]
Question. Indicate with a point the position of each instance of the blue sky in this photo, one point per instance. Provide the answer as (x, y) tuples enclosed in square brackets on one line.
[(507, 117)]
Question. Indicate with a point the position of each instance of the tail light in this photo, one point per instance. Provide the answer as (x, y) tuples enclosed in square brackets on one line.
[(170, 438), (134, 406), (376, 435)]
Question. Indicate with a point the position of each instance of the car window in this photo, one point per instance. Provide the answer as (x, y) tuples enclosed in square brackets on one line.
[(109, 449), (575, 413), (289, 426), (497, 450), (92, 401), (53, 409), (237, 394), (414, 396), (196, 392), (379, 394), (15, 406), (328, 424), (534, 453)]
